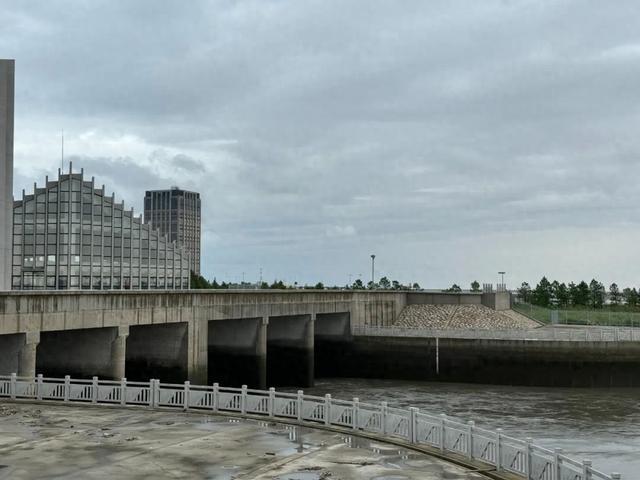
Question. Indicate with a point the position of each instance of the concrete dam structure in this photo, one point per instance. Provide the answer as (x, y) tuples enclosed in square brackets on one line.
[(257, 338), (287, 338)]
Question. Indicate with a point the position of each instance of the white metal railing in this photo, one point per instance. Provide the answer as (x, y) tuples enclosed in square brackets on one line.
[(588, 334), (450, 436)]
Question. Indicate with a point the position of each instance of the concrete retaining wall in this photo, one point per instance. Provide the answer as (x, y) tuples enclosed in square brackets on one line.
[(508, 362)]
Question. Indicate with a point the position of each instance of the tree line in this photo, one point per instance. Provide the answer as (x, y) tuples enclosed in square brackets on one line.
[(199, 282), (582, 294)]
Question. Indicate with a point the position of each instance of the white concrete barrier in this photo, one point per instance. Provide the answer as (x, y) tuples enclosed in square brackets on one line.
[(450, 436)]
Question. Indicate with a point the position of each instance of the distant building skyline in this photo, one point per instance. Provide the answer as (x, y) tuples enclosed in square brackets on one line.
[(69, 234), (175, 212)]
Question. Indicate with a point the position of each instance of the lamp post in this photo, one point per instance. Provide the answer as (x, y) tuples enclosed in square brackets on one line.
[(373, 268)]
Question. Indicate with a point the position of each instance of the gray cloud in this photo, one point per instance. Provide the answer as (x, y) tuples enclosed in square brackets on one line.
[(453, 140)]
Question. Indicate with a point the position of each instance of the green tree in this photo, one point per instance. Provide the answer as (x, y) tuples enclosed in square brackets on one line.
[(596, 294), (415, 286), (372, 285), (615, 297), (454, 288), (358, 285), (278, 285), (524, 292), (630, 296), (319, 286), (542, 293), (579, 294), (554, 290), (561, 295), (396, 285), (385, 283), (475, 286), (199, 282)]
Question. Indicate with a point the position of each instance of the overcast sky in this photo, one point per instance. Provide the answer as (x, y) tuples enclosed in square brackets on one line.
[(451, 139)]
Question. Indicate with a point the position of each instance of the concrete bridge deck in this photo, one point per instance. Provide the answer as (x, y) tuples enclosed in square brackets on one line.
[(201, 335)]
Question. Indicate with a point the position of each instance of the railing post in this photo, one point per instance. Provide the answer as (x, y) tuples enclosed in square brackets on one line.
[(243, 400), (355, 411), (498, 449), (299, 401), (272, 402), (557, 463), (413, 434), (39, 386), (586, 470), (123, 391), (67, 387), (327, 409), (384, 410), (443, 438), (470, 424), (185, 399), (12, 386), (156, 395), (94, 390), (529, 457), (216, 397), (152, 392)]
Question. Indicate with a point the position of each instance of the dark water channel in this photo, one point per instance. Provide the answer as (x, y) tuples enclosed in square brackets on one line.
[(602, 425)]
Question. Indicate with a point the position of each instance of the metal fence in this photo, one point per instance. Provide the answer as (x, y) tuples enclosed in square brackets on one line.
[(448, 435), (573, 316), (587, 334)]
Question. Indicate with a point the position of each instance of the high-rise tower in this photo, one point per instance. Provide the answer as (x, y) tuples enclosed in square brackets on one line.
[(7, 74), (176, 214)]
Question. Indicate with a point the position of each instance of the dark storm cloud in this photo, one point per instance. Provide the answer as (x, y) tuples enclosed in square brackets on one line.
[(453, 139)]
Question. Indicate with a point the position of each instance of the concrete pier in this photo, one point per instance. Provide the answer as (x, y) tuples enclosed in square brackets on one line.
[(238, 352), (119, 353), (290, 351), (27, 360)]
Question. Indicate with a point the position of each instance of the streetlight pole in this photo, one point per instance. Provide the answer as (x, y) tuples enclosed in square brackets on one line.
[(373, 268), (502, 275)]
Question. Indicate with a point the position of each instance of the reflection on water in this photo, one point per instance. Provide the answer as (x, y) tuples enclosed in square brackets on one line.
[(602, 425)]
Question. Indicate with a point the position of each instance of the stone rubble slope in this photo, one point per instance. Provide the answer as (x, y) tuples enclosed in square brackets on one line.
[(462, 317)]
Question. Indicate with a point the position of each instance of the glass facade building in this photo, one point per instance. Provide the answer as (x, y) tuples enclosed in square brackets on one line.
[(71, 235), (176, 214)]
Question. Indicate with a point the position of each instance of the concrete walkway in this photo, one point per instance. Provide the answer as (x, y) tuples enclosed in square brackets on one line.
[(45, 441)]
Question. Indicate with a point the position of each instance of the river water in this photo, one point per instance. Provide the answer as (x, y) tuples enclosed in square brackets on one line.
[(602, 425)]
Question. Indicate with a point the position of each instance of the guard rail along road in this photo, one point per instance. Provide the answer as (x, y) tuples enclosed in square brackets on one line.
[(450, 437), (590, 334)]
